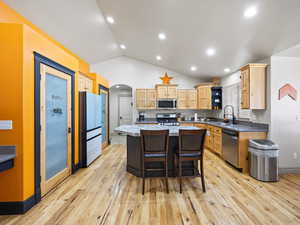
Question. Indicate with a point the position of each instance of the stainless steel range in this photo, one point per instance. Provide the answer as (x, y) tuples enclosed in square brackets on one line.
[(167, 119)]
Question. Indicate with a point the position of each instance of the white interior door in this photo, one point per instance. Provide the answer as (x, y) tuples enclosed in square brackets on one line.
[(125, 110)]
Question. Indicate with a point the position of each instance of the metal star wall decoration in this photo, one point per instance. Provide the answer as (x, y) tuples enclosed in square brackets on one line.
[(166, 79)]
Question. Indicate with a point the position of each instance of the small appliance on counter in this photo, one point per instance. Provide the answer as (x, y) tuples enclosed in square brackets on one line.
[(141, 116), (167, 119), (196, 117)]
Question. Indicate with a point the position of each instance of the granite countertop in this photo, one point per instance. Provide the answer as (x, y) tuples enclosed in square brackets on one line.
[(241, 127), (134, 130), (7, 153)]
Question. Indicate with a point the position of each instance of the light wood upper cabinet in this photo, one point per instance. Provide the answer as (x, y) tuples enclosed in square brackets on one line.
[(151, 98), (85, 84), (140, 98), (186, 99), (162, 92), (192, 99), (166, 91), (145, 98), (172, 92), (204, 96), (253, 86), (181, 99)]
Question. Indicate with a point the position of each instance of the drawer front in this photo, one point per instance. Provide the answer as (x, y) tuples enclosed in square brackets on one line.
[(186, 124), (201, 125)]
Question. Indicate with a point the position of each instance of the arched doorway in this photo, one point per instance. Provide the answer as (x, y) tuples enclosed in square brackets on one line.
[(121, 109)]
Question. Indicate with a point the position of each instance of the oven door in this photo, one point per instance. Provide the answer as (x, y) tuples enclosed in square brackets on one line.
[(167, 104)]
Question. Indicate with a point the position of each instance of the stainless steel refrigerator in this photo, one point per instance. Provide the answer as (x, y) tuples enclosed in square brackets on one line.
[(90, 123)]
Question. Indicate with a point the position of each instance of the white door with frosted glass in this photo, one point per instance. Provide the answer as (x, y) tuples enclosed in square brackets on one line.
[(125, 110), (55, 127)]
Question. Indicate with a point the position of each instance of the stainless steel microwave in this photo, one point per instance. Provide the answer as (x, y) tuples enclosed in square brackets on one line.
[(167, 103)]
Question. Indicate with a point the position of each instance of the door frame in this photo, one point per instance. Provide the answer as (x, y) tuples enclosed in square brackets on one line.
[(124, 95), (38, 59), (101, 87)]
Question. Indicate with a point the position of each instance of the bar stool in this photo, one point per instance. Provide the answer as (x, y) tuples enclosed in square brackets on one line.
[(191, 148), (155, 144)]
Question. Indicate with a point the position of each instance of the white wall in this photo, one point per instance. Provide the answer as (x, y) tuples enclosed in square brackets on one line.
[(259, 116), (138, 74), (285, 127)]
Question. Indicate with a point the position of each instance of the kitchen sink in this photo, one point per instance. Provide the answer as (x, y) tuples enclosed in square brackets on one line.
[(222, 124)]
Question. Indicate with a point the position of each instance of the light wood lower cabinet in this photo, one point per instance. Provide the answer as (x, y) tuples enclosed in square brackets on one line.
[(145, 98), (213, 142), (213, 139), (244, 138)]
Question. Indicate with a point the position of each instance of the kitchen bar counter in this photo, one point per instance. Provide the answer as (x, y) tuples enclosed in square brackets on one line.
[(134, 151), (134, 130)]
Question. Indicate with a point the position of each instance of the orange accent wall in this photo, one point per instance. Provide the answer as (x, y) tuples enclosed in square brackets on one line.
[(18, 40), (11, 107)]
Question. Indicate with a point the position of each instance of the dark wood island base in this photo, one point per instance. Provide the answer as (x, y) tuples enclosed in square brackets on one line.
[(134, 160)]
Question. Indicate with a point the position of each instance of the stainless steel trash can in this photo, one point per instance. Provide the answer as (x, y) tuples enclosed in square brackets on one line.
[(264, 160)]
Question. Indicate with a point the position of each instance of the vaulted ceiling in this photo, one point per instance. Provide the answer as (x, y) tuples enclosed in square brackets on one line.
[(190, 26)]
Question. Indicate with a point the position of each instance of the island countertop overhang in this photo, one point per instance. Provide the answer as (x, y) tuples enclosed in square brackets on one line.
[(135, 130)]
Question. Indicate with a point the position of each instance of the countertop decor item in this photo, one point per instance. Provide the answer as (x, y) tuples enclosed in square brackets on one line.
[(289, 90), (166, 79)]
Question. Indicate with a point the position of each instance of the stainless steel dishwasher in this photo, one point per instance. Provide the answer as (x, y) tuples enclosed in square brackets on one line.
[(230, 145)]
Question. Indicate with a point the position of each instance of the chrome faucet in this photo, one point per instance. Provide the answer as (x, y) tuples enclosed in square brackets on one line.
[(232, 113)]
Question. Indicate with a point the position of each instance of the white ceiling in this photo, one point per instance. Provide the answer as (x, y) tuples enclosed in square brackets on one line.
[(290, 52), (191, 27), (78, 24)]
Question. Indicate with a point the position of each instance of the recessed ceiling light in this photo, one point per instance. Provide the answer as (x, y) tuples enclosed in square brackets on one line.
[(110, 19), (193, 68), (122, 46), (162, 36), (226, 70), (250, 12), (211, 51), (118, 86), (158, 58)]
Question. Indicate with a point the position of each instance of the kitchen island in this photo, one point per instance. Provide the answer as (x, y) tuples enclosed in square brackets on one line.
[(134, 151)]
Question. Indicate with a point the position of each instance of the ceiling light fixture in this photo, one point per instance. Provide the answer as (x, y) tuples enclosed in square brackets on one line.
[(110, 19), (226, 70), (210, 51), (162, 36), (122, 46), (118, 86), (250, 12), (193, 68), (158, 58)]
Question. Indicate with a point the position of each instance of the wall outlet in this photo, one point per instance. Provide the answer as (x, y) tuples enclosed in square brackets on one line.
[(295, 155)]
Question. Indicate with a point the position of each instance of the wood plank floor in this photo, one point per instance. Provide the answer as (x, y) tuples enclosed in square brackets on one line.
[(105, 194)]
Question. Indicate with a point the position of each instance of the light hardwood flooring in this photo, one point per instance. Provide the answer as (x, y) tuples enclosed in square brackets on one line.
[(106, 194)]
